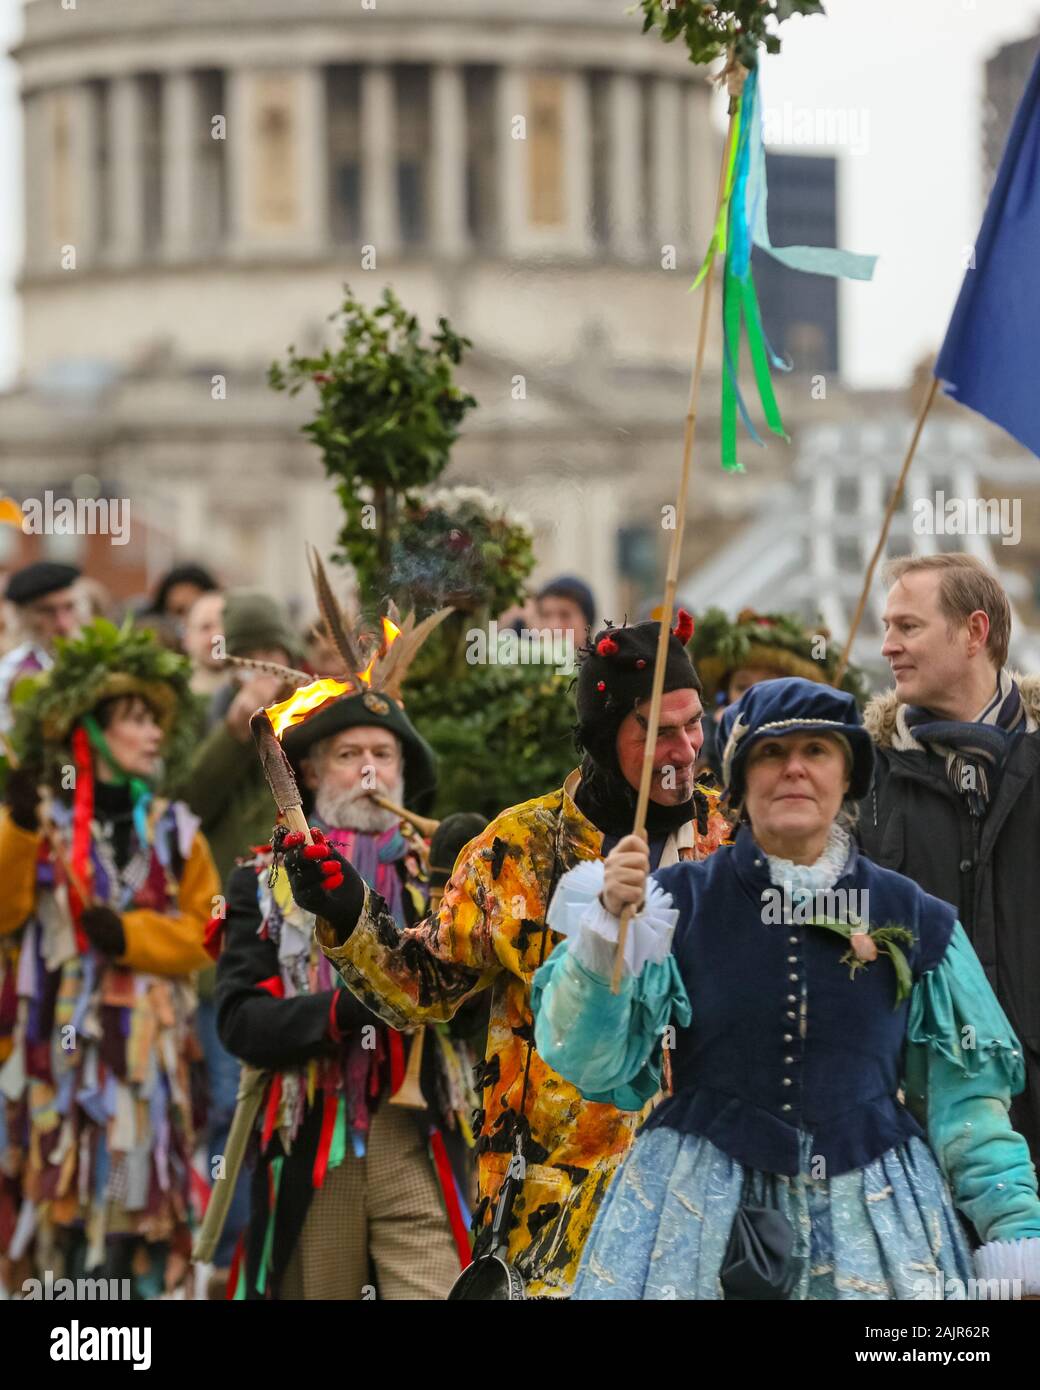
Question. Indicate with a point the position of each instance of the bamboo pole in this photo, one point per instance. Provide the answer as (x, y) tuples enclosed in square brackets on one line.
[(675, 551), (893, 503)]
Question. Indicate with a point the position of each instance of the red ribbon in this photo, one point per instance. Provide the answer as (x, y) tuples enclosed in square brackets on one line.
[(396, 1060), (328, 1125), (213, 937), (274, 1095), (451, 1198), (82, 815), (236, 1262)]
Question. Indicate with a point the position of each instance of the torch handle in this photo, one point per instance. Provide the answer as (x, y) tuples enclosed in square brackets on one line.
[(297, 821)]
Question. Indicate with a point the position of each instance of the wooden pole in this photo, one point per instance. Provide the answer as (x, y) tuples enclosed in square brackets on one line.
[(893, 503), (674, 554)]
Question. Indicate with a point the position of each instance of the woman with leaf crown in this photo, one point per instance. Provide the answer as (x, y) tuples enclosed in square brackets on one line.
[(108, 890)]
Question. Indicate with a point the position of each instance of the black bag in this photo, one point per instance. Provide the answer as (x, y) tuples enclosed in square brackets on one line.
[(760, 1262)]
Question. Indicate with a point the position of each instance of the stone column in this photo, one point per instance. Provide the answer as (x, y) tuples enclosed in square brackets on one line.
[(180, 181), (239, 157), (667, 137), (448, 161), (577, 161), (512, 162), (126, 176), (312, 158), (37, 156), (380, 222), (68, 204), (625, 166)]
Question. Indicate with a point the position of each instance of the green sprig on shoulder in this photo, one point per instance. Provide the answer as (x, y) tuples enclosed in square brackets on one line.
[(887, 939)]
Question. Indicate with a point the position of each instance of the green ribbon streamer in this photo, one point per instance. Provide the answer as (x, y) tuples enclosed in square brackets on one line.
[(760, 357), (276, 1177), (338, 1147), (728, 422)]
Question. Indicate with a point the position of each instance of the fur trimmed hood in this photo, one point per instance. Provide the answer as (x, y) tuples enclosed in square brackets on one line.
[(879, 715)]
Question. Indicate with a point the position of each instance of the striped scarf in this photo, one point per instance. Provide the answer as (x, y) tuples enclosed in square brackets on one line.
[(975, 751), (375, 857)]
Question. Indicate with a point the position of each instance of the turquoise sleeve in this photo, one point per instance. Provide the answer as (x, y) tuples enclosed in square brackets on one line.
[(963, 1065), (607, 1045)]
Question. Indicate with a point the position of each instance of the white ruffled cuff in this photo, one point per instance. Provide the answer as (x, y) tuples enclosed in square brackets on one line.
[(577, 913), (1017, 1261)]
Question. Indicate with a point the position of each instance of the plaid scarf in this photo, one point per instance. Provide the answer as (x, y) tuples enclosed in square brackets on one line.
[(975, 751)]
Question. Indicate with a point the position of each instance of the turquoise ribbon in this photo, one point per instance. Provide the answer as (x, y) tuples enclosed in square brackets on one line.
[(742, 223)]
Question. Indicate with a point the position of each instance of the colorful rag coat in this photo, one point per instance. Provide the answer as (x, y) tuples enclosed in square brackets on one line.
[(488, 934), (96, 1120), (276, 1002)]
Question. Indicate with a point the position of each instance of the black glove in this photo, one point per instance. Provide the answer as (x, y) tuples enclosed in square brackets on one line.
[(104, 929), (22, 795), (323, 882)]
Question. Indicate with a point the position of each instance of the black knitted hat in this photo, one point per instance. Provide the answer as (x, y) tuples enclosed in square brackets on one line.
[(617, 670)]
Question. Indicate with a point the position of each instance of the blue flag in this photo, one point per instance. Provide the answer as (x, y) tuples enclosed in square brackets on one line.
[(990, 360)]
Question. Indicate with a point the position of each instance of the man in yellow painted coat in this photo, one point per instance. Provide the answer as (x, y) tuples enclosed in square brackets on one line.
[(489, 933)]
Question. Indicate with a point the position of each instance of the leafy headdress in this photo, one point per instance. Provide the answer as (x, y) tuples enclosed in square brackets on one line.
[(103, 662), (774, 642)]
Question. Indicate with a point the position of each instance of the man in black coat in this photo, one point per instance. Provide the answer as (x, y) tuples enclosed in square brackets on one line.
[(353, 1190), (955, 803)]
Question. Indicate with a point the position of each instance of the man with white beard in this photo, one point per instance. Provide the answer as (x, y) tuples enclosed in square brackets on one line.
[(345, 1199)]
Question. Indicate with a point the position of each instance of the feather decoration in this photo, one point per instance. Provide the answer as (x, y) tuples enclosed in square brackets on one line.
[(392, 659), (332, 615), (271, 668), (389, 673)]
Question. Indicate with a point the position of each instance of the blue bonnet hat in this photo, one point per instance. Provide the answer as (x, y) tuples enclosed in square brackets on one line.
[(791, 705)]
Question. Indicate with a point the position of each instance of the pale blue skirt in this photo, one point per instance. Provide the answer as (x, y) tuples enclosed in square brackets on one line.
[(886, 1231)]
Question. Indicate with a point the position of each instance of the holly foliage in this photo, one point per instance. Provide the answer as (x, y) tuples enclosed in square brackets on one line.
[(712, 30), (389, 411)]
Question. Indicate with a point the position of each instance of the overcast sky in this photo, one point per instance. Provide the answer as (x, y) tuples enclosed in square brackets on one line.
[(905, 76)]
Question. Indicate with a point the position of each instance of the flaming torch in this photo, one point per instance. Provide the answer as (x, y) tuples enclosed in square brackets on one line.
[(268, 725)]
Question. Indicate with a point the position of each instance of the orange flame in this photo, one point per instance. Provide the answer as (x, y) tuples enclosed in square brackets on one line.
[(304, 701), (301, 702), (391, 632)]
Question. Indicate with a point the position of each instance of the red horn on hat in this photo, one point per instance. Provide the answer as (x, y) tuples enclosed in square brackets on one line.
[(683, 628)]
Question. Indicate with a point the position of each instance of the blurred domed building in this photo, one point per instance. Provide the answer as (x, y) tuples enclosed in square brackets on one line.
[(203, 176)]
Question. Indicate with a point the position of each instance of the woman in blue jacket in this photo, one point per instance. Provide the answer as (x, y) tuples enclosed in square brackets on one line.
[(841, 1071)]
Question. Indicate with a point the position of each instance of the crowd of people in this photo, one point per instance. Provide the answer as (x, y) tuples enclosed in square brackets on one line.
[(402, 1058)]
